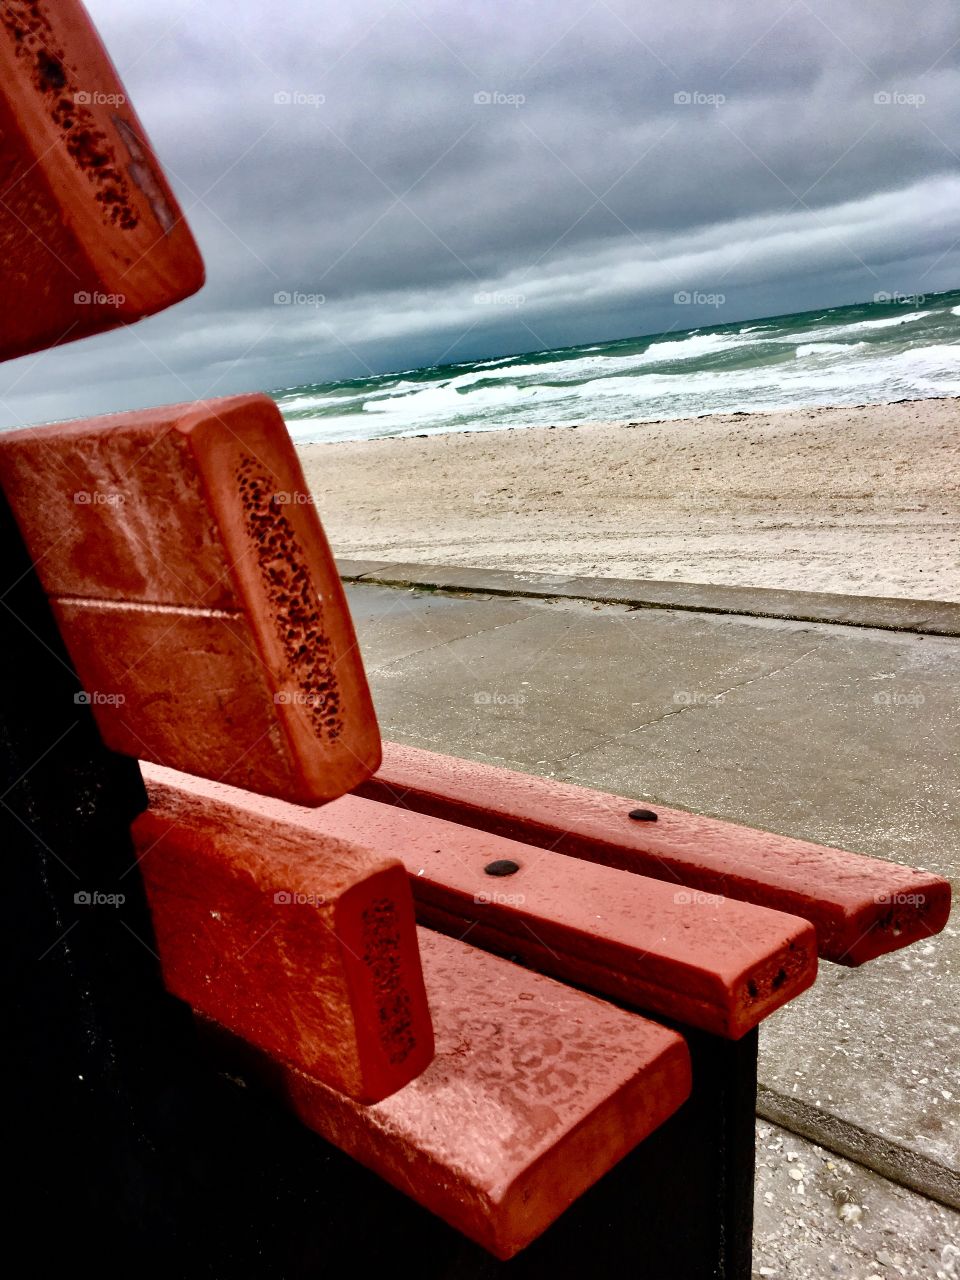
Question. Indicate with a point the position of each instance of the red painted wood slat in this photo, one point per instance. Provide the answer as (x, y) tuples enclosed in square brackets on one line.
[(703, 960), (196, 593), (535, 1092), (305, 947), (861, 907), (90, 233)]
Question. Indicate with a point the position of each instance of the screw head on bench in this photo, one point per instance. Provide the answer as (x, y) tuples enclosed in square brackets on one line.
[(642, 815), (502, 867)]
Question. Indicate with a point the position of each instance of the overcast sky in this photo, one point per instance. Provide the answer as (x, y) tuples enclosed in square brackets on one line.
[(463, 178)]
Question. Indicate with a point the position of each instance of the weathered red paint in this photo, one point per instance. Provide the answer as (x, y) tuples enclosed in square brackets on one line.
[(700, 959), (861, 907), (302, 946), (90, 233), (536, 1091), (196, 593)]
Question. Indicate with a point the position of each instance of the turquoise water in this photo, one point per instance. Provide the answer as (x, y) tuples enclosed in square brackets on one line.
[(907, 348)]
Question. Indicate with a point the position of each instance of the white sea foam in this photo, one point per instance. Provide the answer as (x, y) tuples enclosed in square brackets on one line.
[(826, 348), (319, 401), (841, 330), (574, 369), (890, 322), (669, 377), (924, 371)]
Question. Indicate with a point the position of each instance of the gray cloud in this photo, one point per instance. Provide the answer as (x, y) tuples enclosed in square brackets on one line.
[(627, 152)]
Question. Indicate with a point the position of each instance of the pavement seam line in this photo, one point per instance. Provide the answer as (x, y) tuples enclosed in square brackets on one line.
[(891, 1160), (554, 592)]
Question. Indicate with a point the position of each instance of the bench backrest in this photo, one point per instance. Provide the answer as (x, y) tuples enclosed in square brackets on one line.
[(91, 234), (197, 595)]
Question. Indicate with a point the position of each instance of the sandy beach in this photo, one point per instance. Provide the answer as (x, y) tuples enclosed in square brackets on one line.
[(863, 500)]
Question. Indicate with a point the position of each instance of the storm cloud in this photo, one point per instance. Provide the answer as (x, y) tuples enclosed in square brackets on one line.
[(382, 185)]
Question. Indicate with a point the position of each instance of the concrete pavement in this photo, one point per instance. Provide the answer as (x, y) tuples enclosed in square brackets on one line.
[(843, 734)]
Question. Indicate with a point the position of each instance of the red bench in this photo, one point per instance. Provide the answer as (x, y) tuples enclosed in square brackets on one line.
[(700, 959), (298, 939), (206, 641), (164, 599)]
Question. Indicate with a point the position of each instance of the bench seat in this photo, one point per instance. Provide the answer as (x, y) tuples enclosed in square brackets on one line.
[(860, 907), (536, 1091), (702, 960)]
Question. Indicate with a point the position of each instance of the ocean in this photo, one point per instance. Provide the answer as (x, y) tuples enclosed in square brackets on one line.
[(905, 348)]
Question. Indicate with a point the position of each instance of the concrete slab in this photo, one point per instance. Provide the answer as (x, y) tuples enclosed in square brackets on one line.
[(561, 682), (843, 737), (408, 623), (832, 734), (817, 1216)]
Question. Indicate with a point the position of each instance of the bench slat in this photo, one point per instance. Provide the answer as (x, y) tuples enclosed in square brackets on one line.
[(700, 959), (535, 1092), (196, 593), (304, 946), (91, 234), (861, 907)]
